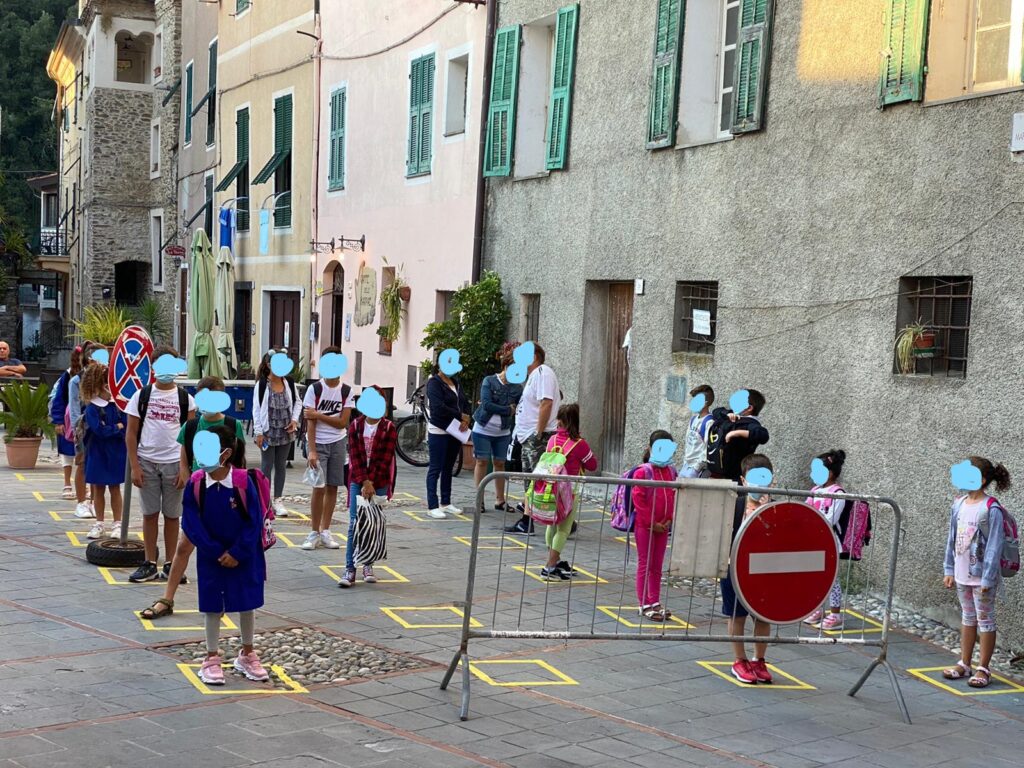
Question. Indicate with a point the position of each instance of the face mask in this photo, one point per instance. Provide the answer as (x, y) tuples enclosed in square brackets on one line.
[(220, 464), (165, 378), (660, 463)]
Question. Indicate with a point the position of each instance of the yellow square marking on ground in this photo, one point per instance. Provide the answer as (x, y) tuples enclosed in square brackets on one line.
[(189, 671), (38, 495), (408, 496), (395, 614), (294, 540), (20, 476), (149, 625), (723, 670), (510, 542), (920, 674), (80, 540), (533, 571), (631, 541), (396, 577), (109, 576), (616, 612), (449, 518), (870, 625), (562, 678), (292, 514), (57, 515)]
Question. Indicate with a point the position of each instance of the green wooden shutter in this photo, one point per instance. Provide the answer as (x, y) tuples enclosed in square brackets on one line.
[(501, 110), (750, 83), (242, 154), (240, 6), (211, 101), (421, 114), (668, 45), (283, 143), (188, 103), (336, 171), (903, 50), (561, 86)]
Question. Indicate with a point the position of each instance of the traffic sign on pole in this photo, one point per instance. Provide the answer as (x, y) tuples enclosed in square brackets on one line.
[(784, 561), (130, 365)]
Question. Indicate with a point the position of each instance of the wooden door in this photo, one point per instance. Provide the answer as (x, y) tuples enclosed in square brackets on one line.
[(620, 319), (338, 307), (284, 321)]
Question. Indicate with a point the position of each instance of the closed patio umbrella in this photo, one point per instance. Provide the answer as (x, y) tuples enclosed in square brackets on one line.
[(202, 359), (224, 311)]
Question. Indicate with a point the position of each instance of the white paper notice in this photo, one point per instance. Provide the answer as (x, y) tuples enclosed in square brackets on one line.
[(454, 429), (702, 322)]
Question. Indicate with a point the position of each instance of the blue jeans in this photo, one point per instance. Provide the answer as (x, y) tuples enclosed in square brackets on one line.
[(444, 450), (354, 490)]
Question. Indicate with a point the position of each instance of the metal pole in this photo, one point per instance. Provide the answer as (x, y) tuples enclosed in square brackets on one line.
[(126, 511)]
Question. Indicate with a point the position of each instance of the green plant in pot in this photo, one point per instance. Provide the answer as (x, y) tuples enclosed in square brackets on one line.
[(914, 340), (151, 316), (26, 420), (392, 309), (103, 324)]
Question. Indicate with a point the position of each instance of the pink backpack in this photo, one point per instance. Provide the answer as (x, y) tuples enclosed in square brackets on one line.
[(240, 480)]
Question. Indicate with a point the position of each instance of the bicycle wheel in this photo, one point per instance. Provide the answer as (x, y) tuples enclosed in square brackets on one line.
[(412, 440)]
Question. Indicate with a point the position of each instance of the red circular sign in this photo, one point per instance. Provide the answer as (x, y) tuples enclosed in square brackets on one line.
[(130, 365), (784, 561)]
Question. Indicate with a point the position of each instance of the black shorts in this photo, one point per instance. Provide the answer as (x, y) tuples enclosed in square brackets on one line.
[(731, 604)]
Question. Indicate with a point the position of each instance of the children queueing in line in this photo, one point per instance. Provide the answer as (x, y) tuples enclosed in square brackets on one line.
[(578, 459), (745, 670), (221, 517), (654, 508), (106, 453), (695, 449), (60, 417), (84, 509), (973, 551), (832, 511)]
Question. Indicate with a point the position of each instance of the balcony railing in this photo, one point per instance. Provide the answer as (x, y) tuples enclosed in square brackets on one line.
[(53, 242)]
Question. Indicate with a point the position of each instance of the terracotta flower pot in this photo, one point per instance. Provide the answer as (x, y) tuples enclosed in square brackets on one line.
[(925, 341), (23, 452)]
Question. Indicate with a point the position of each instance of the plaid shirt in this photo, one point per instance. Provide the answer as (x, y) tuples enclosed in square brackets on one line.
[(380, 468)]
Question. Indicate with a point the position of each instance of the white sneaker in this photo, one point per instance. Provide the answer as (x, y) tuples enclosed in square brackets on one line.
[(438, 514), (96, 532), (84, 511), (327, 540), (453, 510), (312, 540), (114, 529), (279, 509)]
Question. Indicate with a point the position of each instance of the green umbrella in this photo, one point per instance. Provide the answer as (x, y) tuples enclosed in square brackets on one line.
[(224, 306), (202, 361)]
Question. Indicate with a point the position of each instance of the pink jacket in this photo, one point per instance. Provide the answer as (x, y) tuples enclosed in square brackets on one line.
[(578, 456), (653, 505)]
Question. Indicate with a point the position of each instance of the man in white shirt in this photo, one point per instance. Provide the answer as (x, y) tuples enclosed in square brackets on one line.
[(535, 420)]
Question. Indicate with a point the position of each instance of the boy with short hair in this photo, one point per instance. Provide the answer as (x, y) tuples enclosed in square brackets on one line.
[(205, 421), (155, 415), (695, 450), (327, 410), (739, 434)]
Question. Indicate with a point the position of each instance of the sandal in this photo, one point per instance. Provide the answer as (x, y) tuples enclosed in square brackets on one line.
[(958, 672), (664, 611), (653, 612), (154, 612), (978, 681)]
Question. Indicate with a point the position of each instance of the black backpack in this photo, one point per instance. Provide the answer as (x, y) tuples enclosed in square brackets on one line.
[(144, 396), (318, 390), (192, 426), (716, 445)]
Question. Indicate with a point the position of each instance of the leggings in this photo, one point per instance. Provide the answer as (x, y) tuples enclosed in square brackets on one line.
[(272, 463), (650, 557), (246, 623), (835, 597), (557, 535), (979, 610)]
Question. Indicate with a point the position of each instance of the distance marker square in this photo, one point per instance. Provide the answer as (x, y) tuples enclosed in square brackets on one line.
[(533, 571), (616, 612), (549, 675), (294, 540), (632, 540), (396, 577), (292, 515), (722, 669), (510, 542), (150, 625), (869, 625), (422, 517), (395, 614), (110, 576), (933, 675), (408, 496), (191, 674), (78, 539)]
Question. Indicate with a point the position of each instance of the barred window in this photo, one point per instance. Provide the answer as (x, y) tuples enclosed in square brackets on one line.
[(942, 305), (529, 318), (695, 333)]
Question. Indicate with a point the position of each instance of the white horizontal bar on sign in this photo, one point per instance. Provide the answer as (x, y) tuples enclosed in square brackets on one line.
[(787, 562)]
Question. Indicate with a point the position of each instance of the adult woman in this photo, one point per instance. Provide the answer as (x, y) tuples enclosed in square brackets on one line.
[(492, 427), (445, 403), (275, 422)]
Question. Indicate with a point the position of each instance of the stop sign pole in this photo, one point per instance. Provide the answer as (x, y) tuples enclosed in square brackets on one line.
[(784, 561)]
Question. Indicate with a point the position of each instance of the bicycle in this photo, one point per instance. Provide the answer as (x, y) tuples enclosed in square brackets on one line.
[(412, 435)]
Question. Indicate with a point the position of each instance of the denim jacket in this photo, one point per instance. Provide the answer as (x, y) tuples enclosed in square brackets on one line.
[(497, 399), (986, 546)]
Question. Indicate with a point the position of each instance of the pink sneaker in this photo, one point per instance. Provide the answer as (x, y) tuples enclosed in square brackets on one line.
[(211, 672), (814, 619), (249, 665), (743, 672), (833, 621)]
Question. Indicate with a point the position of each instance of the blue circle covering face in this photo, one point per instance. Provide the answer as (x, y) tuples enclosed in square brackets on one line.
[(371, 404), (211, 401), (965, 476), (206, 449), (448, 362), (333, 365), (819, 472), (662, 451), (281, 365), (739, 401), (169, 365), (698, 402), (100, 356)]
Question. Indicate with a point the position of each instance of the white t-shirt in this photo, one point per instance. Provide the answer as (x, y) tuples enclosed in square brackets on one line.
[(159, 439), (331, 404), (695, 451), (369, 431), (541, 385), (968, 520), (491, 428)]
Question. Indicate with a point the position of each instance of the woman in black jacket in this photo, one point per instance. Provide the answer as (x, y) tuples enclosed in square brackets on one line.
[(445, 403)]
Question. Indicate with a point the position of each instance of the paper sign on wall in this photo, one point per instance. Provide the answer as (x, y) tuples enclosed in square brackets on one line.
[(702, 322)]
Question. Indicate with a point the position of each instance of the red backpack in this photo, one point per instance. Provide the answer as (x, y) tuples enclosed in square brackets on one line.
[(240, 480)]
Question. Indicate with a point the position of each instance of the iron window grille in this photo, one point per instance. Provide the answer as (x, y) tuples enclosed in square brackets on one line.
[(943, 306), (691, 295)]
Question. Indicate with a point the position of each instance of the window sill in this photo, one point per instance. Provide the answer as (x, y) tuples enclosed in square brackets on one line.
[(919, 378), (969, 96), (282, 231), (336, 188), (154, 175), (539, 175), (706, 142), (157, 288), (417, 175)]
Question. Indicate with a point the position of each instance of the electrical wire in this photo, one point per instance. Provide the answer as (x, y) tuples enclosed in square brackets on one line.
[(403, 41)]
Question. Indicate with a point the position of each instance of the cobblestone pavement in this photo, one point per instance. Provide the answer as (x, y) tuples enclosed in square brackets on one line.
[(83, 682)]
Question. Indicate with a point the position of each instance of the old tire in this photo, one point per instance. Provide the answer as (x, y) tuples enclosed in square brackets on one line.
[(113, 554)]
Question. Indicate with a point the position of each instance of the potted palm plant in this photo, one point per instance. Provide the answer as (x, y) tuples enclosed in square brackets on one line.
[(26, 420), (914, 340)]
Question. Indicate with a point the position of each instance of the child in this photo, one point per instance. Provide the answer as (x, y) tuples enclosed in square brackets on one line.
[(654, 508), (695, 451), (744, 670), (973, 551), (84, 509), (371, 468), (275, 420), (187, 434), (156, 414), (59, 413), (832, 511), (578, 459), (227, 528), (742, 437), (105, 449)]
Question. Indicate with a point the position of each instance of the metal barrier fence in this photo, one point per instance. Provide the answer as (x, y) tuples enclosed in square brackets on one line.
[(592, 604)]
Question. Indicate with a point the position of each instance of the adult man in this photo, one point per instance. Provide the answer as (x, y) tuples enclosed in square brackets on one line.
[(10, 366), (535, 420)]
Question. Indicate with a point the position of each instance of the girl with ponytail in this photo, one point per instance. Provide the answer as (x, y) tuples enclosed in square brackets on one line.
[(831, 510)]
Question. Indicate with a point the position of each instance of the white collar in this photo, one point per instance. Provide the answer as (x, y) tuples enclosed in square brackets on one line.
[(100, 402), (227, 482)]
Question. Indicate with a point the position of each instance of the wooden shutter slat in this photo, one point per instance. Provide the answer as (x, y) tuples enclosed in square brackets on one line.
[(501, 109), (421, 110), (750, 80), (336, 164), (668, 46), (561, 86), (903, 52)]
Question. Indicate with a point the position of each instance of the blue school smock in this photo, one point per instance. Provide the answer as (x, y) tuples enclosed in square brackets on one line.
[(105, 451), (58, 404), (223, 527)]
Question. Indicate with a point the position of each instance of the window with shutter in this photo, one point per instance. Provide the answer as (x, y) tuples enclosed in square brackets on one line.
[(661, 124), (211, 101), (421, 116), (242, 179), (501, 109), (561, 86), (189, 84), (283, 172), (241, 6), (902, 77), (752, 54), (336, 164)]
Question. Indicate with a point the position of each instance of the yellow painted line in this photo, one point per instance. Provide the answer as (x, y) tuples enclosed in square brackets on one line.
[(80, 540), (57, 515), (510, 542), (20, 476), (38, 495), (1012, 686), (723, 670), (632, 541), (408, 496), (562, 678), (533, 571), (294, 540), (673, 623), (225, 622), (395, 614), (448, 519), (293, 514), (870, 625), (396, 577), (108, 576), (189, 671)]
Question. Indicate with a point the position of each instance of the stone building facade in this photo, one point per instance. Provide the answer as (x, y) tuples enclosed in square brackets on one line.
[(804, 224)]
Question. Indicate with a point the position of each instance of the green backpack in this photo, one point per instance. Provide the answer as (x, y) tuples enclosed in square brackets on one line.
[(542, 496)]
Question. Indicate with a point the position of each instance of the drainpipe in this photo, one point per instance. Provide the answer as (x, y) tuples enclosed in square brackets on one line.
[(485, 101), (315, 227)]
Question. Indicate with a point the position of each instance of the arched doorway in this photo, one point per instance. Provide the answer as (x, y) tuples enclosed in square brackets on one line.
[(334, 282)]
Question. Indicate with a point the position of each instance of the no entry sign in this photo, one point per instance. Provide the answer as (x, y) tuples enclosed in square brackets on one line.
[(130, 365), (784, 560)]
